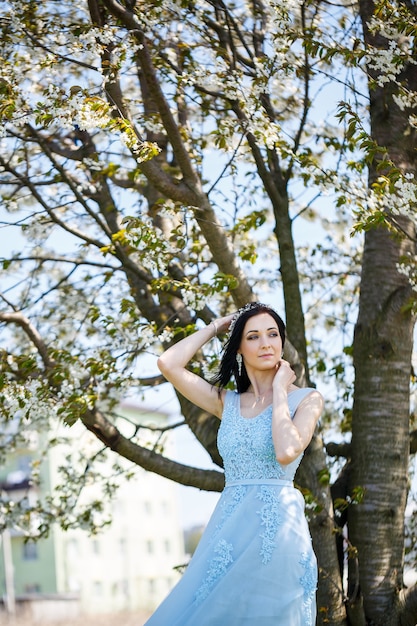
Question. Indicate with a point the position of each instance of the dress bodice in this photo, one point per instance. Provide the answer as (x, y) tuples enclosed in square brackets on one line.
[(246, 445)]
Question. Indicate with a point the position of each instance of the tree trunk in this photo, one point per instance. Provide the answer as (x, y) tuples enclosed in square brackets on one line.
[(382, 359), (380, 428), (330, 606)]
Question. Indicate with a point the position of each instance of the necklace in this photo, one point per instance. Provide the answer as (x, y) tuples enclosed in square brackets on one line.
[(259, 398)]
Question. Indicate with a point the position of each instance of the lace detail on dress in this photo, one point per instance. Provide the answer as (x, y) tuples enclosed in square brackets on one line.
[(246, 445), (234, 496), (309, 583), (217, 568), (270, 520)]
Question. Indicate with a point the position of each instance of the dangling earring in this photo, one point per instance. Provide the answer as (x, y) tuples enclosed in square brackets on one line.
[(239, 363)]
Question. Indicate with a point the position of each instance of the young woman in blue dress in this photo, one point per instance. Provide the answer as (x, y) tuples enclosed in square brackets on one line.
[(255, 565)]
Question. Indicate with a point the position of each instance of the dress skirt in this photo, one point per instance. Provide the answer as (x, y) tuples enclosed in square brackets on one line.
[(254, 565)]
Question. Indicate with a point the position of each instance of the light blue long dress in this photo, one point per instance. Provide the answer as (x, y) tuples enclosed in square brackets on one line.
[(254, 565)]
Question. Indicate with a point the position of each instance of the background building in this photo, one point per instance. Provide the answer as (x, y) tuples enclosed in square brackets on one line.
[(129, 566)]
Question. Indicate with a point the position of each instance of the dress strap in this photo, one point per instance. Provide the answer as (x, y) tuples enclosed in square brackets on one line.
[(296, 397)]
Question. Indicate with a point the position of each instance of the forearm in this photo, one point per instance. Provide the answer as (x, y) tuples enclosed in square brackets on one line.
[(286, 437), (173, 365), (291, 436), (181, 353)]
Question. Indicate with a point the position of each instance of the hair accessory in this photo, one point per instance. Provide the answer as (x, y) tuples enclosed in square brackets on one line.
[(248, 307), (239, 361)]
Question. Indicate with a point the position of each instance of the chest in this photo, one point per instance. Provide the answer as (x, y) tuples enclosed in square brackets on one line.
[(248, 407)]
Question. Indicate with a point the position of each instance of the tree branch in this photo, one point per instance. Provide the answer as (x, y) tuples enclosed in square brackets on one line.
[(207, 480), (27, 183), (149, 72), (32, 333), (44, 144), (62, 259), (343, 449)]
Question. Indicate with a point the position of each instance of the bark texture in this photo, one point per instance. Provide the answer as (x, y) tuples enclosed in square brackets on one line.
[(380, 428), (382, 358)]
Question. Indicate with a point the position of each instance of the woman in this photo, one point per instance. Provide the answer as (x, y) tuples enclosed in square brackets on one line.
[(254, 565)]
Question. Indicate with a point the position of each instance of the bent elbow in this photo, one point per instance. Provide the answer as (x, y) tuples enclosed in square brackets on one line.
[(285, 457), (161, 363)]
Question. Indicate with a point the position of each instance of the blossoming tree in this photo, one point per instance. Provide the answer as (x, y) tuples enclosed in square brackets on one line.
[(160, 165)]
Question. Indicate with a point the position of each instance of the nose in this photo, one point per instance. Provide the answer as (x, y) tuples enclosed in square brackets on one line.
[(266, 342)]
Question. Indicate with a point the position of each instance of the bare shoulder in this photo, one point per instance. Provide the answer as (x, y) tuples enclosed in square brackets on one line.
[(313, 400), (314, 394)]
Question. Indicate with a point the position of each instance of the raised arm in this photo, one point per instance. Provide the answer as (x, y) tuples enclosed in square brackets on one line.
[(173, 365), (292, 436)]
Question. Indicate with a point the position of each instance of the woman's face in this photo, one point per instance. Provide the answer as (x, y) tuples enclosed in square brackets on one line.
[(261, 345)]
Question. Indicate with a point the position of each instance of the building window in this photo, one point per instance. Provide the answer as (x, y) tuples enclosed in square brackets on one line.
[(33, 588), (147, 507), (125, 587), (149, 546), (72, 549), (97, 588), (30, 551), (167, 546), (96, 546)]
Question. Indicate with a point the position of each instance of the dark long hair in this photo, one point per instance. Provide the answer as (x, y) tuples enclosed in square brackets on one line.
[(228, 364)]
